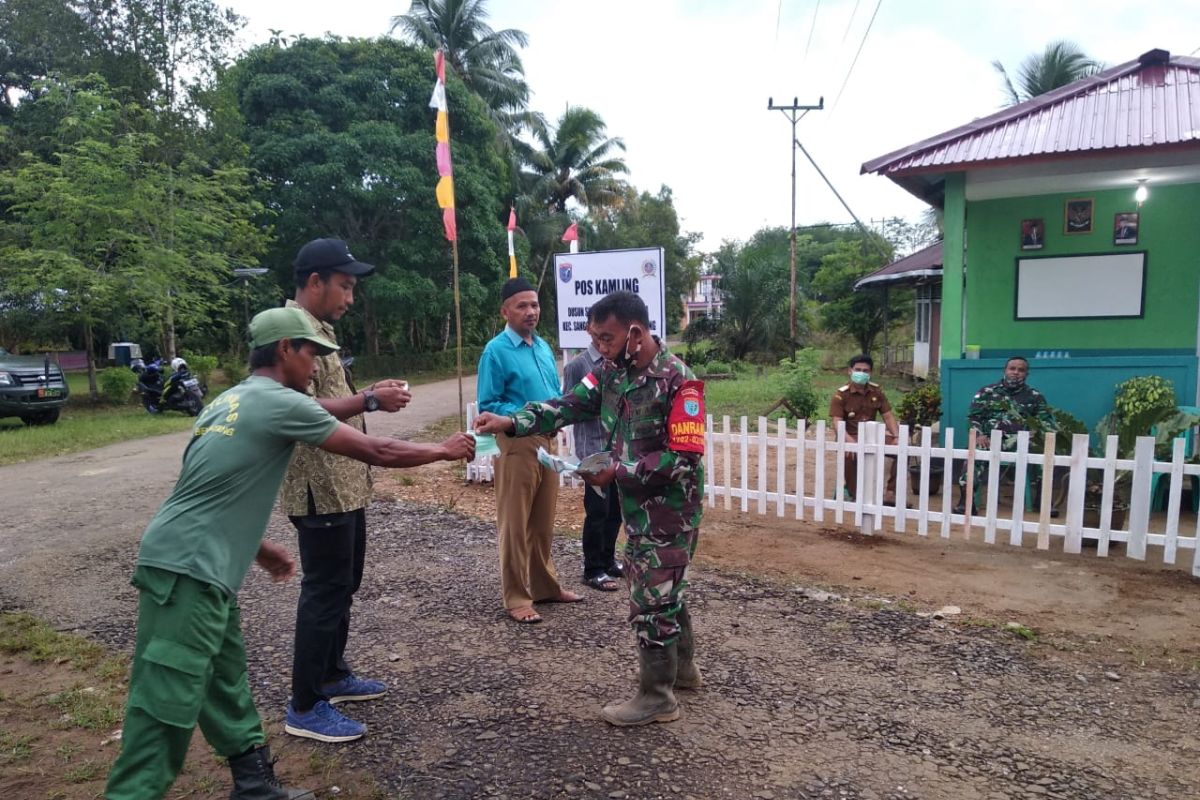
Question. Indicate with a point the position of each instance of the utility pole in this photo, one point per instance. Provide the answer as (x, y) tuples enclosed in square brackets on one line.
[(795, 112)]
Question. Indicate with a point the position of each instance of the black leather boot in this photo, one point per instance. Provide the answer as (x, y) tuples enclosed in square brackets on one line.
[(254, 778)]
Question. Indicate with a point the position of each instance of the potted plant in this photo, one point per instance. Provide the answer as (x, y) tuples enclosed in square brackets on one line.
[(921, 408), (1143, 406)]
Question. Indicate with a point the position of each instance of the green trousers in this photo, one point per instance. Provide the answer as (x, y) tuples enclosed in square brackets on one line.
[(189, 668)]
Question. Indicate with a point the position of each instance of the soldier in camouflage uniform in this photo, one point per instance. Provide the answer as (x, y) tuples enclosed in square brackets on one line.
[(652, 410), (1004, 407)]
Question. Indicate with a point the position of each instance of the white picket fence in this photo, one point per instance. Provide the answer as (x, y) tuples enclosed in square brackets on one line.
[(797, 470)]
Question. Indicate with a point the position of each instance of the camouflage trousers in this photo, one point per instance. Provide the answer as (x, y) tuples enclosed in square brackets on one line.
[(656, 567)]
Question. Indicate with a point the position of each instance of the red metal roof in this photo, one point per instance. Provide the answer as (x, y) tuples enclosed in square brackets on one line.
[(922, 265), (1150, 103)]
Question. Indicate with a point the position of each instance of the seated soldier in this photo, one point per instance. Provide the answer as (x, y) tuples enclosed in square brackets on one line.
[(1004, 407)]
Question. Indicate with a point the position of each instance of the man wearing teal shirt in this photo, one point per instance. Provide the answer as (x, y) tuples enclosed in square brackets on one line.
[(189, 663), (517, 367)]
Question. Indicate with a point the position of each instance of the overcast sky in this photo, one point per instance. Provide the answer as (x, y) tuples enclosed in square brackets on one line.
[(685, 83)]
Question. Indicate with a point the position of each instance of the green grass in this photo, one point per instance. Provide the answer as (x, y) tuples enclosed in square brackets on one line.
[(37, 641), (87, 707), (14, 747), (85, 425), (750, 395)]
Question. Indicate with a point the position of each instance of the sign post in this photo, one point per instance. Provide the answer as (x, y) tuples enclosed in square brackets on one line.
[(582, 279)]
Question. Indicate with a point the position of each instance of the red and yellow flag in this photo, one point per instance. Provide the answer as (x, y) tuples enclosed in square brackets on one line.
[(512, 253), (445, 186)]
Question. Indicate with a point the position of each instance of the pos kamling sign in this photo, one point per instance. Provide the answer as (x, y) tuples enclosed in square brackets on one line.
[(583, 278)]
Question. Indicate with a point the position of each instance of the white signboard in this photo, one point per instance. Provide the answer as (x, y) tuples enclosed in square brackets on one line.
[(1100, 286), (582, 279)]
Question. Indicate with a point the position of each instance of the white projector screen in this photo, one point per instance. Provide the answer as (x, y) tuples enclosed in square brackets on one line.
[(1078, 287)]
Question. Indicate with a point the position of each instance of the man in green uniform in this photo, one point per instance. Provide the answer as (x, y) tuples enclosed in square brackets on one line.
[(652, 409), (1004, 407), (860, 400), (189, 664)]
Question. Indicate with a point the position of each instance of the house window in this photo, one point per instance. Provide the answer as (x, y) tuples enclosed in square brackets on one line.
[(924, 309)]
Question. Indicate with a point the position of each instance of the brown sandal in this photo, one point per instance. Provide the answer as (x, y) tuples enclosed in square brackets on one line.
[(525, 615), (564, 596)]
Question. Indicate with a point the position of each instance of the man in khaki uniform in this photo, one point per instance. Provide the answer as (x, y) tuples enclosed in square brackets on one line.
[(861, 401), (326, 495)]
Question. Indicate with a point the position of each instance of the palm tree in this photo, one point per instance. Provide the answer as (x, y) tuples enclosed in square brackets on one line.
[(574, 159), (1062, 62), (486, 60)]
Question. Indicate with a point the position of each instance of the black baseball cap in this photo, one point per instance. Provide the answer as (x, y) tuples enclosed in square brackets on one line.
[(329, 254)]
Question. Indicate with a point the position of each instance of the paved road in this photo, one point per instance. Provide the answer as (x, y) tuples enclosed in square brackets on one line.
[(61, 511)]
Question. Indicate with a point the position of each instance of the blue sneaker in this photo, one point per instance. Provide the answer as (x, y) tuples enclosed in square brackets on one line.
[(352, 689), (324, 723)]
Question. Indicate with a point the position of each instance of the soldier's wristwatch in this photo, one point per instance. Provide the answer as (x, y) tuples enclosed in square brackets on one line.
[(370, 401)]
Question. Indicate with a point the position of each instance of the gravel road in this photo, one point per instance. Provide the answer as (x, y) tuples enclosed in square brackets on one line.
[(62, 513), (808, 695)]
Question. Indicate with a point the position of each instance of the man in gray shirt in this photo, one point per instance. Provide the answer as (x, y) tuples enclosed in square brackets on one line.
[(602, 512)]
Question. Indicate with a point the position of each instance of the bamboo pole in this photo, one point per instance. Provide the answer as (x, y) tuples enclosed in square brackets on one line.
[(462, 424)]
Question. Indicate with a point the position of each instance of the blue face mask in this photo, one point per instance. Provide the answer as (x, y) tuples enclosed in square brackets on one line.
[(860, 378)]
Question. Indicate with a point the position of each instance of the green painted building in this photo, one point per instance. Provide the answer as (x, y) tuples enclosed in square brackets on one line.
[(1072, 237)]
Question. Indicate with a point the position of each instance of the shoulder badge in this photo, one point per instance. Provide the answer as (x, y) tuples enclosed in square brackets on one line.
[(844, 388), (686, 422)]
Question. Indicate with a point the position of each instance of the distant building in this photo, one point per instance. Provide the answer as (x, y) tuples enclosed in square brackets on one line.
[(1070, 236), (704, 300)]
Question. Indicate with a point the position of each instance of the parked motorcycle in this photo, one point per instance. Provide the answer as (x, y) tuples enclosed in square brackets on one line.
[(179, 391)]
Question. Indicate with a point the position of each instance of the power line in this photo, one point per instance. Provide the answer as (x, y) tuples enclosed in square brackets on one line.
[(812, 29), (858, 52), (778, 17), (853, 13)]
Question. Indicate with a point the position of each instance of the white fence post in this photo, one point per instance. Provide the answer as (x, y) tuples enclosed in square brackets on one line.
[(770, 495), (1139, 501)]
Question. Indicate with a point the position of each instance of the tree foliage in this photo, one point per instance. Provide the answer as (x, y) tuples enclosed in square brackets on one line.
[(102, 235), (342, 139), (650, 220), (860, 315), (1062, 62), (486, 60)]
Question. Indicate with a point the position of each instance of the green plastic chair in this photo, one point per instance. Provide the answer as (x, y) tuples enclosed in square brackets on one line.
[(1158, 487)]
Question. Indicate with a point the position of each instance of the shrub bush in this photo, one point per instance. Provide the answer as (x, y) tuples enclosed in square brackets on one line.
[(235, 368), (796, 377), (116, 384), (920, 407), (1143, 393), (699, 353), (719, 368), (699, 370), (201, 366)]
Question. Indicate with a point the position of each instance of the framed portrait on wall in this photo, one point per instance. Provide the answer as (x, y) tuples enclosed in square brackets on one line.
[(1033, 234), (1077, 216), (1125, 227)]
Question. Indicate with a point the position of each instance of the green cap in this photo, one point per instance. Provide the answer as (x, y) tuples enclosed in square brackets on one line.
[(275, 324)]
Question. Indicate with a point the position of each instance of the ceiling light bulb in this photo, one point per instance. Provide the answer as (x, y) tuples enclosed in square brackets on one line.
[(1141, 193)]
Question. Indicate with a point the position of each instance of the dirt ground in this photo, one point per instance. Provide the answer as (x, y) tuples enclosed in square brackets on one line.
[(1113, 603), (828, 673)]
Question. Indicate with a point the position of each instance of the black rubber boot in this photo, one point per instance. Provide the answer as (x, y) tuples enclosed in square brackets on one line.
[(688, 675), (254, 778), (654, 702)]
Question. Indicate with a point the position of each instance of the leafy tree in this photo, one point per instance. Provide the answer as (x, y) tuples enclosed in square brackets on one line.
[(485, 59), (861, 315), (38, 39), (573, 160), (86, 237), (342, 138), (650, 220), (1062, 62), (754, 291)]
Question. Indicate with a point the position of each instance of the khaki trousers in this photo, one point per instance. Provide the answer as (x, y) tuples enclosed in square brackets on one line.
[(526, 495)]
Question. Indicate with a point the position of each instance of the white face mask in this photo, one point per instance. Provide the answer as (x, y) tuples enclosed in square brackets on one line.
[(860, 377)]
